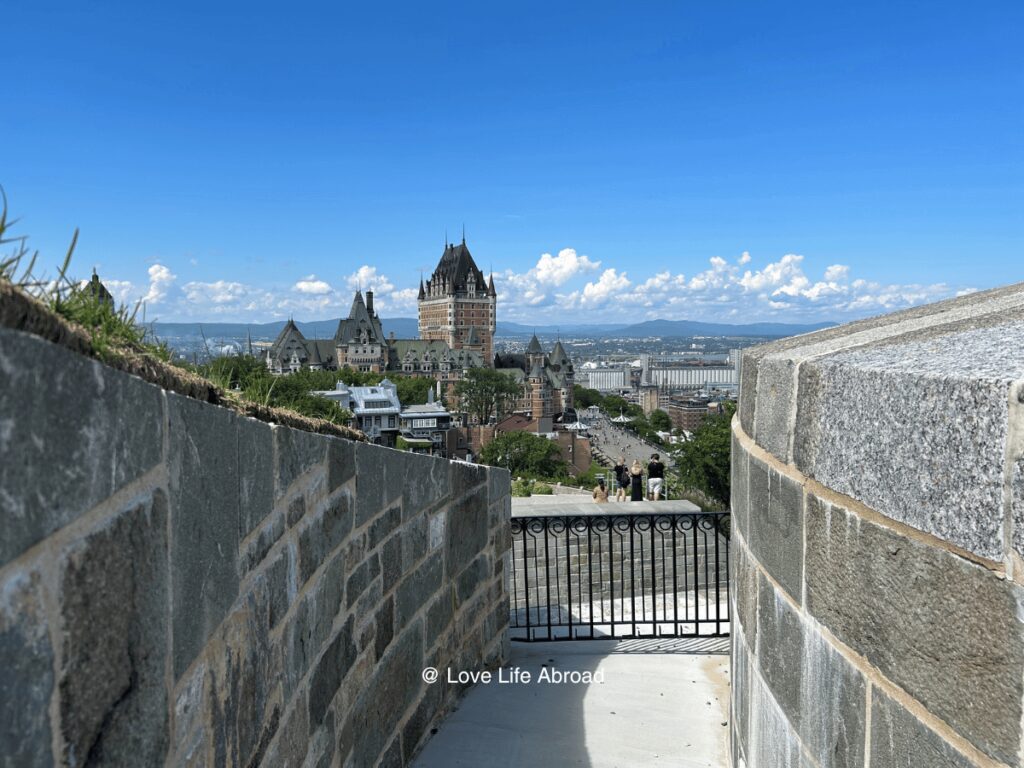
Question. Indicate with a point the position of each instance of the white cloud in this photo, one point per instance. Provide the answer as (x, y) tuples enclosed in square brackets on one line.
[(312, 286), (837, 272), (563, 287), (556, 270), (367, 278), (218, 292), (160, 282), (611, 284)]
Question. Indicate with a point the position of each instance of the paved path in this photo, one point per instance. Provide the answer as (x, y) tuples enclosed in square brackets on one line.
[(661, 703), (614, 442)]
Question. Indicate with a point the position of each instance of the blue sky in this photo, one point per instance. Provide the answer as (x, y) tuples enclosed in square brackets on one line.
[(730, 161)]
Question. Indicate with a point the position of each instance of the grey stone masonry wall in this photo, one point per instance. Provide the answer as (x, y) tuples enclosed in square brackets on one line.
[(878, 521), (183, 586)]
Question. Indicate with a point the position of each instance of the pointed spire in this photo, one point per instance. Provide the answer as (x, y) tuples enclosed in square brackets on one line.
[(423, 294), (463, 233)]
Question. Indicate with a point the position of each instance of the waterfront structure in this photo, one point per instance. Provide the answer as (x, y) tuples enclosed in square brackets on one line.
[(611, 379)]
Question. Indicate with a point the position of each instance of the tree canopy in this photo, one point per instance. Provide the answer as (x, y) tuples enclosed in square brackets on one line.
[(704, 461), (523, 453), (485, 393), (660, 421)]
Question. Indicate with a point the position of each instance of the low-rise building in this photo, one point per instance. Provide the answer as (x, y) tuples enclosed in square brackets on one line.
[(424, 427), (375, 410)]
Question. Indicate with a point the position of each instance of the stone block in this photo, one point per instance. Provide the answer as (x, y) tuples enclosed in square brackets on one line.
[(293, 740), (748, 390), (821, 694), (297, 453), (26, 673), (776, 526), (894, 600), (255, 474), (439, 616), (362, 577), (311, 625), (277, 588), (426, 711), (739, 692), (385, 623), (423, 489), (900, 740), (474, 576), (1017, 504), (189, 745), (244, 687), (807, 430), (499, 483), (258, 547), (935, 462), (324, 534), (369, 501), (330, 670), (296, 510), (468, 530), (417, 589), (391, 562), (396, 684), (392, 757), (466, 478), (738, 502), (204, 508), (321, 744), (113, 611), (776, 403), (341, 462), (744, 590), (771, 740), (436, 528), (66, 446), (382, 526), (414, 541)]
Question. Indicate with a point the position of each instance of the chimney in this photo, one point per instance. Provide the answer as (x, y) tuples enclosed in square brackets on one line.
[(369, 303)]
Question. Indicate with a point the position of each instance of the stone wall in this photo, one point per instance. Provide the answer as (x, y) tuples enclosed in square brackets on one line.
[(878, 505), (180, 585)]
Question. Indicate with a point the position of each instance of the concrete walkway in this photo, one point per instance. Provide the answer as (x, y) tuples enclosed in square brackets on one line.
[(661, 703)]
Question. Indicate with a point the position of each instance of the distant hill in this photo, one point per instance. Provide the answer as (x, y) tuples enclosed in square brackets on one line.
[(518, 329), (670, 328), (408, 328), (403, 328)]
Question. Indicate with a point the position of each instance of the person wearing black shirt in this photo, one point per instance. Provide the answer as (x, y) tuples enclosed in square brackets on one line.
[(636, 481), (655, 477), (621, 479)]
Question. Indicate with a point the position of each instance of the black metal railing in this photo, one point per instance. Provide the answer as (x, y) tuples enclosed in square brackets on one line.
[(577, 577)]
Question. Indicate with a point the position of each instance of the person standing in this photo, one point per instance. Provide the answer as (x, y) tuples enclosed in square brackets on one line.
[(601, 492), (655, 477), (636, 481), (621, 479)]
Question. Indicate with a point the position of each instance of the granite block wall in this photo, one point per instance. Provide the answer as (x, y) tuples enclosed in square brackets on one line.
[(183, 586), (877, 571)]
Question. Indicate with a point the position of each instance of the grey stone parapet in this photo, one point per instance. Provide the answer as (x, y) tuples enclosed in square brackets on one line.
[(878, 497), (181, 585)]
